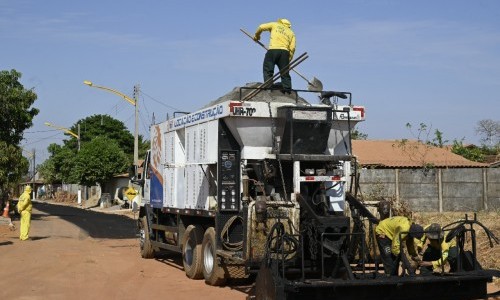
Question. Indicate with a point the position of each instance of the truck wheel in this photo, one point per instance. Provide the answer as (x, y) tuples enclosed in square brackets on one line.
[(191, 252), (144, 242), (212, 271)]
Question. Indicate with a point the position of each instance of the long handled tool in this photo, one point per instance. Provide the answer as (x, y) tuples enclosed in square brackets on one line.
[(314, 85), (275, 77)]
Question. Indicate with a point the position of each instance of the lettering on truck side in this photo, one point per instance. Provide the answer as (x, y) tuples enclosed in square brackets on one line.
[(244, 111), (344, 116), (210, 113)]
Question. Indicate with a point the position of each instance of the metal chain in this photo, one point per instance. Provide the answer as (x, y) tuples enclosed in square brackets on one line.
[(312, 241), (273, 133)]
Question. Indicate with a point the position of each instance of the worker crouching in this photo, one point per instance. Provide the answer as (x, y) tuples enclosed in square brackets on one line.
[(390, 233), (438, 251)]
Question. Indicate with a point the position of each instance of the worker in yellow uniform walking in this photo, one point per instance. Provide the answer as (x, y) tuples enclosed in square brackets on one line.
[(24, 207), (280, 51), (390, 233)]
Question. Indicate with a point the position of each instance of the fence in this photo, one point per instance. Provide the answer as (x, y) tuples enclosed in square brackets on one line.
[(436, 190)]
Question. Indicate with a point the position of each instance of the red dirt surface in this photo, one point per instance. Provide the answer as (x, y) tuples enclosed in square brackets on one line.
[(80, 254)]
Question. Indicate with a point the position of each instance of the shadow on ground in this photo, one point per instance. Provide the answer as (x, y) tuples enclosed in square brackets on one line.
[(95, 224)]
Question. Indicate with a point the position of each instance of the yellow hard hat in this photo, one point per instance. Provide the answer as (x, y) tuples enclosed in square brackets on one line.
[(285, 22)]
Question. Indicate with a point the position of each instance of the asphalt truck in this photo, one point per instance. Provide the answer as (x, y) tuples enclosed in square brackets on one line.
[(261, 182)]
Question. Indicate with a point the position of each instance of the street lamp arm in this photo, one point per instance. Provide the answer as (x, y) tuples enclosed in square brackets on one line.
[(63, 129), (135, 103), (127, 98)]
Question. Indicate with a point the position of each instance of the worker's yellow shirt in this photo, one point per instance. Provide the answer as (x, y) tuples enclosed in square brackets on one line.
[(392, 228), (282, 37), (24, 203), (445, 248)]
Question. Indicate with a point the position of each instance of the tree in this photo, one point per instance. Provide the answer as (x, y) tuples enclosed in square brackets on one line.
[(104, 142), (59, 167), (471, 153), (414, 150), (15, 106), (15, 117), (490, 132), (13, 165), (103, 126), (358, 135), (98, 161)]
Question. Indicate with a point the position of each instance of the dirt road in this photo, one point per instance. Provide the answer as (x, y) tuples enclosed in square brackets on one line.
[(80, 254)]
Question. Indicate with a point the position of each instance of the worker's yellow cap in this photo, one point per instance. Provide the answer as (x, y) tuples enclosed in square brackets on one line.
[(285, 22)]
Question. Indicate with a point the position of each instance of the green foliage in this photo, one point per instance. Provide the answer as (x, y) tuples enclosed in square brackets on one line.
[(103, 141), (438, 139), (98, 161), (103, 126), (358, 135), (471, 153), (15, 117), (12, 167), (144, 146), (59, 167), (15, 103), (423, 135)]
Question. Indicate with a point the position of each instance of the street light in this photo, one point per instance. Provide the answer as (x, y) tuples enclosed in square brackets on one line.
[(134, 102), (77, 136)]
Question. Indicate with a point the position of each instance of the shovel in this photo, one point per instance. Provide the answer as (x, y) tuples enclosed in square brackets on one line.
[(314, 85)]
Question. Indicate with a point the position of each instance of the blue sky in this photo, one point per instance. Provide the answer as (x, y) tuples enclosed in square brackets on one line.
[(432, 62)]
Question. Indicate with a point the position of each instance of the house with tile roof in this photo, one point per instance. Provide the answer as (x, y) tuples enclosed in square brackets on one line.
[(407, 154), (426, 177)]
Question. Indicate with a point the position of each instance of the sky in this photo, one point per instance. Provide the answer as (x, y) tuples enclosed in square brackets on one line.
[(427, 61)]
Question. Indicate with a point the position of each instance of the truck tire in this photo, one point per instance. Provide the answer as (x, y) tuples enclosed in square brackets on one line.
[(213, 272), (144, 242), (191, 252)]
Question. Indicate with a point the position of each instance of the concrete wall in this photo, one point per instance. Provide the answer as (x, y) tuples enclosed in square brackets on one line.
[(436, 190)]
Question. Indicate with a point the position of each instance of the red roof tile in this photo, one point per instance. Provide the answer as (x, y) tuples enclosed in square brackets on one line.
[(409, 154)]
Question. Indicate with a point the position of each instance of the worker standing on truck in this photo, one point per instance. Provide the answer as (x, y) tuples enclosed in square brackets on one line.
[(438, 251), (390, 233), (24, 207), (280, 51)]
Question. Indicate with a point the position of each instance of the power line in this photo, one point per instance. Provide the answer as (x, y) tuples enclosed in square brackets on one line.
[(159, 102), (43, 139), (145, 108), (39, 131)]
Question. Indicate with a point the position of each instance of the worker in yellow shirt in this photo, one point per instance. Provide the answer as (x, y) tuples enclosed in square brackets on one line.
[(280, 51), (24, 207), (438, 251), (390, 233)]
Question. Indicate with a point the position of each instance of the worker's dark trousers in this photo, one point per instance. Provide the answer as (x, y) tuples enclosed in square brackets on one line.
[(281, 58), (390, 261)]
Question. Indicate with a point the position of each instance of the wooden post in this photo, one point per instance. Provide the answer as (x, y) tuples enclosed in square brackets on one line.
[(440, 189)]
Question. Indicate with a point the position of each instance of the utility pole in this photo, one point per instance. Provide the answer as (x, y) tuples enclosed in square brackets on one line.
[(78, 137), (136, 130), (34, 173)]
